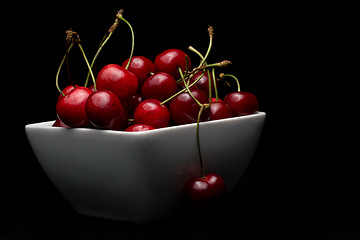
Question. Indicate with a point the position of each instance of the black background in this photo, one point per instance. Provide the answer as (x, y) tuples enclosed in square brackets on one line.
[(304, 178)]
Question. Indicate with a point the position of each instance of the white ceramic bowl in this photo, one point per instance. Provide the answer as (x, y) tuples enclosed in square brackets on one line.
[(139, 176)]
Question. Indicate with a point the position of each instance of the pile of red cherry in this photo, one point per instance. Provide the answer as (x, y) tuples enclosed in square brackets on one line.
[(144, 95), (138, 92)]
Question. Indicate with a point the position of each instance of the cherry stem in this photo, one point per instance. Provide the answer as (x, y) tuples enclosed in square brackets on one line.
[(183, 90), (187, 88), (211, 34), (88, 65), (198, 140), (215, 87), (209, 79), (222, 75), (103, 42), (119, 16), (58, 71), (67, 67)]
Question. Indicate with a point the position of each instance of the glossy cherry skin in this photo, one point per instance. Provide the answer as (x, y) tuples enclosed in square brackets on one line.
[(105, 111), (139, 128), (131, 104), (203, 83), (66, 91), (118, 80), (71, 108), (169, 61), (242, 103), (141, 67), (59, 123), (160, 86), (219, 110), (150, 112), (184, 110), (204, 192)]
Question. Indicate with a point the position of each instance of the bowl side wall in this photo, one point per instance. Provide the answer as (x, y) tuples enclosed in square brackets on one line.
[(139, 177)]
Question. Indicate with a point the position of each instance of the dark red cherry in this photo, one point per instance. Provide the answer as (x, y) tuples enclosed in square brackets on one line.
[(183, 109), (242, 103), (219, 110), (141, 67), (67, 90), (204, 192), (105, 111), (150, 112), (118, 80), (139, 128), (71, 108), (160, 86), (131, 104), (59, 123), (203, 83), (169, 61), (91, 87)]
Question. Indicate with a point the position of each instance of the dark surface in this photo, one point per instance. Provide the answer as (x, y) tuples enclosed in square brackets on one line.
[(304, 179)]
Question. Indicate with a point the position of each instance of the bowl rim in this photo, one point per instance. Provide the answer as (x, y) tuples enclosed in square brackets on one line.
[(48, 124)]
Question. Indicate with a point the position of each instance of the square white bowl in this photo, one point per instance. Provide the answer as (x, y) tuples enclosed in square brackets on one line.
[(139, 176)]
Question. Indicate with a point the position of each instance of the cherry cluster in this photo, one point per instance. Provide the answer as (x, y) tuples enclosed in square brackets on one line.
[(142, 95)]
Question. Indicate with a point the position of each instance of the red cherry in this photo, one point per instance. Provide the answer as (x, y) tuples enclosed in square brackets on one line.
[(242, 103), (59, 123), (105, 111), (150, 112), (184, 109), (92, 88), (203, 83), (131, 104), (160, 86), (219, 110), (118, 80), (139, 128), (66, 91), (141, 67), (71, 108), (169, 61), (204, 192)]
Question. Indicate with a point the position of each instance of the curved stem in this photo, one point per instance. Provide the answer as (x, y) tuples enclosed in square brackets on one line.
[(103, 42), (198, 140), (58, 71), (191, 48), (132, 39), (88, 65), (211, 34), (97, 54), (187, 88), (222, 75)]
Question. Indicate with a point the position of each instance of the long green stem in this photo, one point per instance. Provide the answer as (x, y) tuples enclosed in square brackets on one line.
[(187, 88), (58, 71), (210, 89), (104, 41), (183, 90), (88, 65), (198, 141), (132, 39), (97, 54), (191, 48), (215, 87), (211, 34)]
